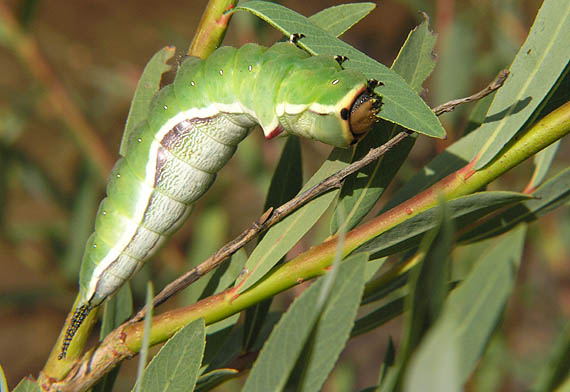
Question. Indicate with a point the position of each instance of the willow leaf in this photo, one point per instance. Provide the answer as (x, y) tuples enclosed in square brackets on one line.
[(338, 19), (535, 70), (463, 209), (147, 87), (175, 367)]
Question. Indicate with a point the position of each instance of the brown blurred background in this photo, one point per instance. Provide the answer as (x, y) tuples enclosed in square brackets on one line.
[(97, 49)]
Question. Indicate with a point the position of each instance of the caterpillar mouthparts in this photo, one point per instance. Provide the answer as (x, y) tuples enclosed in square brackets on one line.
[(363, 112)]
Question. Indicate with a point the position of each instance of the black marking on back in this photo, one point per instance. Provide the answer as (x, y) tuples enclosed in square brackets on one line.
[(373, 83), (295, 37), (78, 317), (340, 60)]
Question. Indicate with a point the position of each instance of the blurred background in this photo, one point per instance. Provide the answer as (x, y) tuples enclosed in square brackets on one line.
[(68, 70)]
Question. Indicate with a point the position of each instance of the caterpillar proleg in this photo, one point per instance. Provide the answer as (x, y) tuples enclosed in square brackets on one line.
[(193, 128)]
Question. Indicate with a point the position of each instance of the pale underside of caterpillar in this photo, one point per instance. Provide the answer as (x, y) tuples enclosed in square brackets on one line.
[(193, 128)]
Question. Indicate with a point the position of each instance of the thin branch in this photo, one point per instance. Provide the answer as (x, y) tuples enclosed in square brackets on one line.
[(494, 85), (272, 216)]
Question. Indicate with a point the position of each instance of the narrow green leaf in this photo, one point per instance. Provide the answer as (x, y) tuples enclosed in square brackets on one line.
[(281, 237), (536, 68), (224, 346), (428, 285), (338, 19), (281, 351), (547, 197), (175, 367), (117, 310), (429, 281), (433, 367), (372, 267), (477, 303), (225, 275), (210, 233), (479, 113), (148, 85), (416, 59), (378, 317), (226, 324), (401, 104), (214, 378), (335, 323), (287, 178), (560, 94), (279, 354), (145, 338), (27, 385), (221, 347), (464, 210), (542, 162), (378, 290), (3, 382), (388, 363), (361, 191), (557, 369), (254, 319)]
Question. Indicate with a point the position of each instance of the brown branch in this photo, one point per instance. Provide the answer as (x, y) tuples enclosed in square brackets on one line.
[(273, 216), (493, 86)]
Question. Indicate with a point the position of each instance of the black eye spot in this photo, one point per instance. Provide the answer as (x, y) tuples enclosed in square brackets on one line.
[(344, 114)]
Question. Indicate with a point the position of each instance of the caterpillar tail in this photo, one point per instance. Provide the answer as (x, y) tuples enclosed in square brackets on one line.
[(79, 316)]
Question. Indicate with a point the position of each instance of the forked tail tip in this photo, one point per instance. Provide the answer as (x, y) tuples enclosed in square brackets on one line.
[(79, 315)]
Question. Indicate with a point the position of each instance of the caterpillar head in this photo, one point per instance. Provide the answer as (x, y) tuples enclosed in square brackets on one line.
[(362, 113), (343, 109)]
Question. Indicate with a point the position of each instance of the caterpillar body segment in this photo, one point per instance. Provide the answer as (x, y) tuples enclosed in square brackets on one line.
[(193, 128)]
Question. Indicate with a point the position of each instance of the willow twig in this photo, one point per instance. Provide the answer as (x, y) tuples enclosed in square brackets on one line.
[(494, 85)]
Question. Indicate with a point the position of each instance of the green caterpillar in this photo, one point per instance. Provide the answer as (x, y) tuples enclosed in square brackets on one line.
[(193, 128)]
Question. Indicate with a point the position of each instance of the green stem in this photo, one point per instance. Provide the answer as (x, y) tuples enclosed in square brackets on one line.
[(212, 28)]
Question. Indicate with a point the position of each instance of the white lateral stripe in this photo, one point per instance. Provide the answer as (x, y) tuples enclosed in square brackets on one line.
[(122, 242), (291, 108), (150, 172)]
